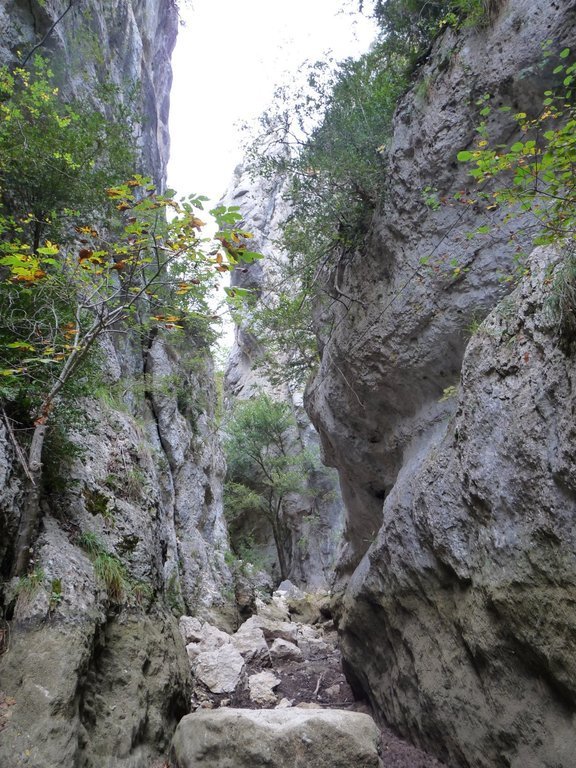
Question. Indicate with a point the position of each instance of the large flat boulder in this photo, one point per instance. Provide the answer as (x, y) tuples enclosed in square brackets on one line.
[(288, 738)]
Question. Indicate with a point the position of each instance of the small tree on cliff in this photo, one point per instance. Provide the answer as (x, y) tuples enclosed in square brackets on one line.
[(125, 264), (265, 465)]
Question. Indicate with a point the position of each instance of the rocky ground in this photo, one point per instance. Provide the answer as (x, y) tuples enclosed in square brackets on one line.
[(280, 659)]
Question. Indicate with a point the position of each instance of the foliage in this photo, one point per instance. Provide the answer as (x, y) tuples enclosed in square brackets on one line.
[(29, 584), (60, 300), (326, 140), (536, 174), (535, 178), (62, 167), (56, 596), (84, 253), (56, 155), (112, 573), (410, 26), (265, 464), (108, 567)]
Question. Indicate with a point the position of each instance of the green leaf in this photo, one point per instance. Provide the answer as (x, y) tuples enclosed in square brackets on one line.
[(565, 53), (465, 156), (21, 345), (249, 256)]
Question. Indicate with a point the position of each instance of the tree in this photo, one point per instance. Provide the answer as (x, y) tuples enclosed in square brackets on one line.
[(266, 464), (120, 259), (534, 177)]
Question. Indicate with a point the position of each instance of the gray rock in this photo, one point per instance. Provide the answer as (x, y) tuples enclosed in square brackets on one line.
[(249, 640), (285, 738), (261, 688), (458, 616), (465, 633), (282, 650), (191, 629), (287, 589), (399, 343), (220, 670), (273, 629)]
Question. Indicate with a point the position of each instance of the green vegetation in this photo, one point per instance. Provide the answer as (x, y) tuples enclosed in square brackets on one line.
[(327, 140), (83, 252), (535, 178), (334, 171), (265, 464), (112, 573), (56, 596), (174, 595), (108, 567), (29, 584)]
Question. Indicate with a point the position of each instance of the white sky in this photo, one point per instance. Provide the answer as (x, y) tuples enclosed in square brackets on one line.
[(229, 57)]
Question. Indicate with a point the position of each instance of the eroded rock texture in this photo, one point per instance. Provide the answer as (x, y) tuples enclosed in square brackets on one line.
[(279, 739), (459, 616), (95, 670)]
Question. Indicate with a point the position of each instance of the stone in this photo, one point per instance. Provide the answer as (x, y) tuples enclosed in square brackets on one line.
[(452, 621), (287, 589), (272, 629), (261, 687), (249, 640), (276, 609), (287, 738), (284, 703), (220, 670), (190, 629), (282, 650)]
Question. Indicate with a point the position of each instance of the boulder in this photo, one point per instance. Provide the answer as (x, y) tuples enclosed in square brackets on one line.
[(219, 670), (249, 640), (288, 589), (274, 610), (261, 688), (273, 629), (282, 650), (285, 738), (201, 637)]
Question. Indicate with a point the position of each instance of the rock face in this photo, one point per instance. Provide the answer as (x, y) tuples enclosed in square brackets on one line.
[(280, 739), (459, 612), (314, 520), (401, 340), (123, 42), (95, 670)]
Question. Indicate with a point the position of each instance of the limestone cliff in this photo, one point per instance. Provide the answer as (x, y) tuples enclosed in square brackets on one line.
[(459, 614), (314, 520), (90, 676)]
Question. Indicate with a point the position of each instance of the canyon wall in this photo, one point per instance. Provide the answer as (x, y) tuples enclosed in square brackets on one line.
[(446, 403), (314, 519), (91, 675)]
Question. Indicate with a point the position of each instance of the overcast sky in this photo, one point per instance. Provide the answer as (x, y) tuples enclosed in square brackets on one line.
[(229, 57)]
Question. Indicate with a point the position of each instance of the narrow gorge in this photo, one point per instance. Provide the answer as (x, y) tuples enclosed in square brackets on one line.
[(356, 544)]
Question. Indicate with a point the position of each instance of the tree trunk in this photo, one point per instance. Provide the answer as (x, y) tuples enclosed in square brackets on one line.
[(277, 533), (31, 506)]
